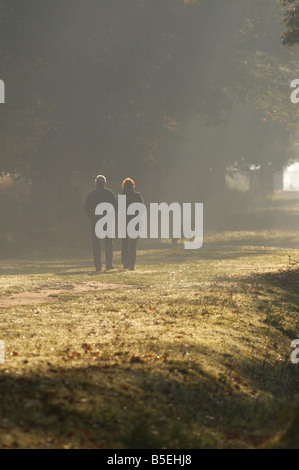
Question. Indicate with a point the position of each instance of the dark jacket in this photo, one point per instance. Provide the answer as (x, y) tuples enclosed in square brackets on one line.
[(131, 197), (95, 197)]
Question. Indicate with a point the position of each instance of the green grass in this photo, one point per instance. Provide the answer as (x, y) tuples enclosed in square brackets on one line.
[(192, 350)]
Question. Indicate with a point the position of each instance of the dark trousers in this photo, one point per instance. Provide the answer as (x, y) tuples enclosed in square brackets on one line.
[(96, 249), (128, 252)]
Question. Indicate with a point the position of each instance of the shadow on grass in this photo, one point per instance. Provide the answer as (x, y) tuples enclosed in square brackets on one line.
[(150, 257), (28, 269), (130, 407), (175, 404), (287, 280)]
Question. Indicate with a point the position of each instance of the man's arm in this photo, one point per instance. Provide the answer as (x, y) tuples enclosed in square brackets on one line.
[(88, 209), (113, 200)]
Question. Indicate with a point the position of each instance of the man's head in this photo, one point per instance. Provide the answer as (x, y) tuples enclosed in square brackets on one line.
[(128, 184), (100, 181)]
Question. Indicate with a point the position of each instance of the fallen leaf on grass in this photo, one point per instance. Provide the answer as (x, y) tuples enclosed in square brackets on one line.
[(76, 354), (135, 359)]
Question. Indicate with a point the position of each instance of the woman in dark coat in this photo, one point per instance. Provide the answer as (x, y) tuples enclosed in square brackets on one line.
[(129, 245)]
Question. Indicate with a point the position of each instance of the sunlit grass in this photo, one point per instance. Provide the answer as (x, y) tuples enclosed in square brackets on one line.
[(190, 350)]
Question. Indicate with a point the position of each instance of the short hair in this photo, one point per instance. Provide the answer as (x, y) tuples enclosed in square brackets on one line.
[(100, 180), (128, 183)]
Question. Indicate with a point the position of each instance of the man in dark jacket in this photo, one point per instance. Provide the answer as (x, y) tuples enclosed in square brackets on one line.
[(97, 196), (129, 245)]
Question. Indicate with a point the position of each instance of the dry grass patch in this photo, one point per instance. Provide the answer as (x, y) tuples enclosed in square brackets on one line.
[(191, 350)]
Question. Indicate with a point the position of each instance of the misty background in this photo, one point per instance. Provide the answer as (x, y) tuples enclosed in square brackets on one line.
[(191, 99)]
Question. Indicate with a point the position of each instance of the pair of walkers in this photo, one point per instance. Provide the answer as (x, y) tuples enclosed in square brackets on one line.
[(101, 194)]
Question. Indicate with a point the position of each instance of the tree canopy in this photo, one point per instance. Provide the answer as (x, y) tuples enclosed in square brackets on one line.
[(111, 85), (290, 37)]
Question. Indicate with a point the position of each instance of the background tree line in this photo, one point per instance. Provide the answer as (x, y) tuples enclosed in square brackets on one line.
[(167, 92)]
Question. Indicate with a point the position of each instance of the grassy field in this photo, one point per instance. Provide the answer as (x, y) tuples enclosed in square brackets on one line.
[(192, 350)]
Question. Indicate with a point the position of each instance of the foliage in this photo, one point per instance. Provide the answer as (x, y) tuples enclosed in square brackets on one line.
[(291, 20), (114, 82)]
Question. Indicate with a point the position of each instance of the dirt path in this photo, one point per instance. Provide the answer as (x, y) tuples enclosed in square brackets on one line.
[(50, 295)]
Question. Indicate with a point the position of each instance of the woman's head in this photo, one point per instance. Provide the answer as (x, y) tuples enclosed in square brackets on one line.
[(128, 184)]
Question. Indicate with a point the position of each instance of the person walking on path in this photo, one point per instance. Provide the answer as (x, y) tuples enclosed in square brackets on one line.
[(129, 245), (97, 196)]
